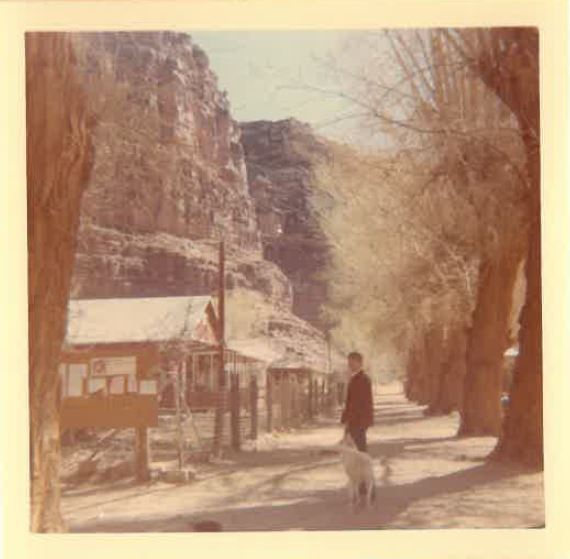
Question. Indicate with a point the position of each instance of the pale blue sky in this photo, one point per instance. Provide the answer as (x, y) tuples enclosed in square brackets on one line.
[(273, 75)]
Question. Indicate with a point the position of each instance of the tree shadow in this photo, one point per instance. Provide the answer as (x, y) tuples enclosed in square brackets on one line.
[(319, 510), (313, 510), (298, 460)]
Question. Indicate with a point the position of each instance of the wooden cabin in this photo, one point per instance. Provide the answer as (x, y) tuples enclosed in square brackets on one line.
[(123, 358), (113, 353)]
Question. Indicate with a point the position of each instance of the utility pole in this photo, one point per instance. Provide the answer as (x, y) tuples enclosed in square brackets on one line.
[(221, 404)]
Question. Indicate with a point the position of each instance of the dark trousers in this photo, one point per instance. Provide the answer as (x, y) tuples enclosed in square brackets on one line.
[(358, 435)]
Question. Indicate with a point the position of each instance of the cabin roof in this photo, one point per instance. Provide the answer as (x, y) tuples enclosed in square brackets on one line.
[(147, 319)]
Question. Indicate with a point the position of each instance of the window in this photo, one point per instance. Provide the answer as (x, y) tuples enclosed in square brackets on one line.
[(76, 373)]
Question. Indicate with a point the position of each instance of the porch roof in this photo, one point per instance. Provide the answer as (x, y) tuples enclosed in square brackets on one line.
[(257, 349)]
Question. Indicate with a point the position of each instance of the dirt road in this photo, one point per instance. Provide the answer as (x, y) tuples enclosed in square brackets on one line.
[(426, 478)]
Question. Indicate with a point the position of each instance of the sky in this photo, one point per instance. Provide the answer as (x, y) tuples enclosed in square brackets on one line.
[(274, 75)]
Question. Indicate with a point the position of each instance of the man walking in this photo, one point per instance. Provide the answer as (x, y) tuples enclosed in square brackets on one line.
[(358, 413)]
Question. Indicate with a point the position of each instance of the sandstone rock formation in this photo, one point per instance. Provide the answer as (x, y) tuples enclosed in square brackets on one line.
[(169, 180), (168, 154), (281, 157)]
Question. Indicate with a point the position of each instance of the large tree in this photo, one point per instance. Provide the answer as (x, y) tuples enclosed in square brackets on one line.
[(507, 61), (399, 263), (58, 165), (479, 149), (440, 115)]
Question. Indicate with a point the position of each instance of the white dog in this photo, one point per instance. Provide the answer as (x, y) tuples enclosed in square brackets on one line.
[(358, 467)]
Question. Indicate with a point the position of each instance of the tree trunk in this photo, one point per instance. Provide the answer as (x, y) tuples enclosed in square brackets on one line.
[(420, 386), (411, 381), (450, 395), (522, 436), (58, 164), (434, 368), (513, 74), (417, 385), (488, 340)]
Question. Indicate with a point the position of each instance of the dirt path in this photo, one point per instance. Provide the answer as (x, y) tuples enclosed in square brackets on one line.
[(426, 478)]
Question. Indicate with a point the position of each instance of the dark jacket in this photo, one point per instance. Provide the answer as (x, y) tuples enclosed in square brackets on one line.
[(358, 408)]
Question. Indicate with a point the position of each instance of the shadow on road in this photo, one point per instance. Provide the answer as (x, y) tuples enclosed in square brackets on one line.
[(319, 510), (272, 506)]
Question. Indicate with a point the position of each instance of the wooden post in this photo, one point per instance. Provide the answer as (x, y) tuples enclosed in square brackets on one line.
[(316, 396), (299, 401), (310, 396), (142, 455), (293, 401), (269, 401), (313, 407), (179, 433), (253, 394), (329, 352), (294, 398), (183, 383), (195, 372), (287, 388), (234, 412), (283, 400)]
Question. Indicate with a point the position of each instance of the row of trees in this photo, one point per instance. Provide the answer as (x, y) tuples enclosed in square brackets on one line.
[(436, 242)]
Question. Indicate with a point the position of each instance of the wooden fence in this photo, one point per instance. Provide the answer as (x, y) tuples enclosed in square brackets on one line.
[(253, 410)]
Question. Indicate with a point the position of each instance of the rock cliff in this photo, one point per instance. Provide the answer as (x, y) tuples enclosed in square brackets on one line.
[(281, 157), (169, 180), (168, 154)]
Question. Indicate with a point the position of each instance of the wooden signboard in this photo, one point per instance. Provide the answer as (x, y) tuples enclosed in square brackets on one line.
[(113, 411), (106, 391)]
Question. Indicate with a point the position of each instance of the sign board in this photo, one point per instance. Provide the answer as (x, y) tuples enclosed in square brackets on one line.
[(121, 411), (106, 393), (111, 366)]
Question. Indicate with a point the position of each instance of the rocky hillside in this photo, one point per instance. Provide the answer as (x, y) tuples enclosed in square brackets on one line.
[(168, 154), (169, 180), (281, 157)]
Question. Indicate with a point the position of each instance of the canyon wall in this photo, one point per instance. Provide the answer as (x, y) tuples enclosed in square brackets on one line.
[(281, 158), (169, 180), (168, 156)]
